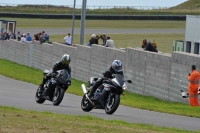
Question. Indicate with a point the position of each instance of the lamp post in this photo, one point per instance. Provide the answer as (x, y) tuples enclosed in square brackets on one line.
[(73, 17), (82, 24)]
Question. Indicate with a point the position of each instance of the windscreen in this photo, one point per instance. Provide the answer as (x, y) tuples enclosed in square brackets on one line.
[(119, 78), (63, 77)]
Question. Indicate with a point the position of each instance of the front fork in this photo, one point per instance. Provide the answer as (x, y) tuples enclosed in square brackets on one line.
[(56, 91)]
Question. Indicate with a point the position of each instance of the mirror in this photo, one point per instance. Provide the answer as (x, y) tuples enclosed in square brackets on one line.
[(129, 81)]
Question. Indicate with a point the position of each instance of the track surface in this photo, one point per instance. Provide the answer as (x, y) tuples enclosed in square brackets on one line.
[(21, 95), (103, 31)]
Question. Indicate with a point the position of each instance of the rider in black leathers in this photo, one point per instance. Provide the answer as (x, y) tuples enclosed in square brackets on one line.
[(63, 64), (116, 67)]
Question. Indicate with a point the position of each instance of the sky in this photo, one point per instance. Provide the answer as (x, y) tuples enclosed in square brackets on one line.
[(160, 3)]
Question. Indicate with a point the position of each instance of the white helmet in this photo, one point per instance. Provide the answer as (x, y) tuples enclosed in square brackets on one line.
[(66, 59), (117, 66)]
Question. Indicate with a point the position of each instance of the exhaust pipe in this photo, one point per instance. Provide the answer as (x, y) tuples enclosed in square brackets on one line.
[(85, 92), (83, 88)]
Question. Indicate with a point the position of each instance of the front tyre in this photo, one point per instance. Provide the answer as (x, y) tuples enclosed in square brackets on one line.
[(111, 106), (86, 105), (57, 99), (38, 96)]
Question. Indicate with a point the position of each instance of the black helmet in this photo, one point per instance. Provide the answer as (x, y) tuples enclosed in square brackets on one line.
[(66, 59), (117, 66)]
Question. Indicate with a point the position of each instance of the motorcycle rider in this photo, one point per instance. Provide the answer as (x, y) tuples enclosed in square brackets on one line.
[(63, 64), (116, 67)]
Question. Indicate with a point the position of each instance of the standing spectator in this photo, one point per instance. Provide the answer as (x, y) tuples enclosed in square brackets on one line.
[(110, 43), (23, 38), (19, 36), (193, 78), (103, 37), (68, 39), (93, 40), (28, 38)]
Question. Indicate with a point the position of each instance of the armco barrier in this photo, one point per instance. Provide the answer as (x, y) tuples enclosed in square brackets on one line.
[(95, 16), (153, 74)]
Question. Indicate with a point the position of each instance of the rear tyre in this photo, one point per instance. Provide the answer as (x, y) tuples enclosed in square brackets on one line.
[(38, 96), (86, 105), (111, 107), (57, 99)]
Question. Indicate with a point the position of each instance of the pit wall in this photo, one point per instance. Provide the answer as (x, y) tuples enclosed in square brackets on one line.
[(153, 74)]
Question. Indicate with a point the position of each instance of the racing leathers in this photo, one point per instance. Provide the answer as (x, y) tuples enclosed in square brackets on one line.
[(57, 66)]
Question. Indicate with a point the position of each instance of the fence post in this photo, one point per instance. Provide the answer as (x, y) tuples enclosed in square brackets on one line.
[(30, 55)]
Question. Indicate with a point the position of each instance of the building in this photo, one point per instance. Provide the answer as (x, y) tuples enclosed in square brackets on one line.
[(192, 35)]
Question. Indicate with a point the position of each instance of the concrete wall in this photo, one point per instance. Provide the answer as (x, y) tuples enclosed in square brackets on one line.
[(153, 74)]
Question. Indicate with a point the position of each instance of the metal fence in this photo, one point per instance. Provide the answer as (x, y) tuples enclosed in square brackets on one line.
[(3, 5)]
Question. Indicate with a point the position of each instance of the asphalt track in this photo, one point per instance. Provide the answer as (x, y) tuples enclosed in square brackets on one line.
[(54, 31), (21, 95)]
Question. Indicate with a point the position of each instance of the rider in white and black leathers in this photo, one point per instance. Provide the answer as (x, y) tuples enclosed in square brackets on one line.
[(116, 67), (63, 64)]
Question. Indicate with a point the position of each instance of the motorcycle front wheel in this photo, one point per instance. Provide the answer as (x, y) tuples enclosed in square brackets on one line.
[(112, 105), (38, 96), (58, 97), (86, 105)]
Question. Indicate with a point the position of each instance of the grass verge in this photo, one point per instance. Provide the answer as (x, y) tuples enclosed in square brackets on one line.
[(99, 24), (15, 120), (164, 41), (34, 76)]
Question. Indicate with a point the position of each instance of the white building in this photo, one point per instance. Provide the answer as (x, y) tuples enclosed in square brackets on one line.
[(192, 34)]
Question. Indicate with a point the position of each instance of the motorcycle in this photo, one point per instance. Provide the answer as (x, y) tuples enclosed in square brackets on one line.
[(56, 85), (106, 96), (186, 95)]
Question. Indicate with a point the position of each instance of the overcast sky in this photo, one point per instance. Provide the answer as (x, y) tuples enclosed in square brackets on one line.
[(161, 3)]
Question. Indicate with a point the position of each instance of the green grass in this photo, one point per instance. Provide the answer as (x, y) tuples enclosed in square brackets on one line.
[(189, 4), (34, 76), (15, 120), (164, 41), (96, 24)]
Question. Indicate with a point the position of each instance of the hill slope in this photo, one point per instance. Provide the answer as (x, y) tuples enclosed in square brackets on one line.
[(189, 4)]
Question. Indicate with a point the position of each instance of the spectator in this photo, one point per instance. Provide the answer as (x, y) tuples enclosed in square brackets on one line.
[(97, 40), (193, 79), (3, 36), (41, 37), (7, 36), (23, 38), (36, 37), (46, 37), (103, 37), (93, 40), (110, 43), (148, 46), (28, 38), (19, 36), (68, 39)]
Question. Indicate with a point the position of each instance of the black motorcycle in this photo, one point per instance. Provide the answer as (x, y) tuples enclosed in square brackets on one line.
[(106, 96), (56, 85)]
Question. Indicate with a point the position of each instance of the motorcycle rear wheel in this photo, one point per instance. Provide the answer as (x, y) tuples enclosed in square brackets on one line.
[(38, 97), (86, 105), (111, 107)]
